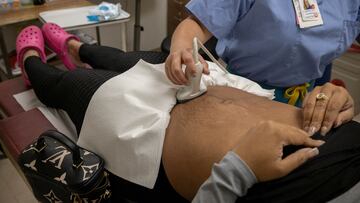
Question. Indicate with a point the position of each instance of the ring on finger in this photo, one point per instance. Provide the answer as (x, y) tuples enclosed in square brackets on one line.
[(321, 97)]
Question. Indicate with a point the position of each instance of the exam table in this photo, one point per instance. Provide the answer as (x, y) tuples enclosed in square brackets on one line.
[(20, 127)]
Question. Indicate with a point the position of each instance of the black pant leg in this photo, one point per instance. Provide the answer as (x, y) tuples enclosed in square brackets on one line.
[(108, 58), (331, 173), (67, 90)]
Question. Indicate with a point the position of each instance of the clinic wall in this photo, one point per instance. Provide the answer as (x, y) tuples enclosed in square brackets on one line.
[(153, 19)]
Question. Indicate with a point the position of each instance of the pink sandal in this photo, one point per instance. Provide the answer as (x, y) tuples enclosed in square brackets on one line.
[(56, 38), (29, 38)]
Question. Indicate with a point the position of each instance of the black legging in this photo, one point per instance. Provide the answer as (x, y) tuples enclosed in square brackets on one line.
[(72, 90)]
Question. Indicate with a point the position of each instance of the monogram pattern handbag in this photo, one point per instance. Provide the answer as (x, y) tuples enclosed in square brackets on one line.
[(60, 171)]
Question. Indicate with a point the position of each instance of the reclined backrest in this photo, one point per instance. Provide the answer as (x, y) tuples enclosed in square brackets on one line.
[(18, 131), (8, 105)]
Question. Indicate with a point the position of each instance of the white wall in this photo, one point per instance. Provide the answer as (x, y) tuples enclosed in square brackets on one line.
[(153, 19)]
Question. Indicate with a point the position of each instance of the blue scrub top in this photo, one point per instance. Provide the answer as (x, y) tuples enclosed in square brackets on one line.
[(260, 40)]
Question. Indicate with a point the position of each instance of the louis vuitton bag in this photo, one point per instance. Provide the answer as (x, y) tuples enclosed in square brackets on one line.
[(60, 171)]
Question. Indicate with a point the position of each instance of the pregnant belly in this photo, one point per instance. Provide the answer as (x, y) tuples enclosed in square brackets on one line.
[(203, 130)]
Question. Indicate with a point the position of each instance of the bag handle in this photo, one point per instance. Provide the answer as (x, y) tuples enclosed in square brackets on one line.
[(75, 150)]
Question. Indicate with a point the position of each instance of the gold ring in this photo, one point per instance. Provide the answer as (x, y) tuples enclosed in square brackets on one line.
[(321, 96)]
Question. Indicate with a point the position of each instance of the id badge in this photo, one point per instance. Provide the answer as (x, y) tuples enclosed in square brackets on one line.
[(308, 10), (307, 13)]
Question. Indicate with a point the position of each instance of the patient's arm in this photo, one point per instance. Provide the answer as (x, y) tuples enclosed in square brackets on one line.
[(203, 130), (251, 161), (231, 178)]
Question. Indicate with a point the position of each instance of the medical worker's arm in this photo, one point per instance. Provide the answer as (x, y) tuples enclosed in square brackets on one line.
[(181, 50), (261, 152), (334, 109)]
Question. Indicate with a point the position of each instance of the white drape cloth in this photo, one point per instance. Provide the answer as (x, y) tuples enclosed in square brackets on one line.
[(127, 117)]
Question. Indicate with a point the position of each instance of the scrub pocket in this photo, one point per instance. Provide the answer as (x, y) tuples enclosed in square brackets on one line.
[(351, 30)]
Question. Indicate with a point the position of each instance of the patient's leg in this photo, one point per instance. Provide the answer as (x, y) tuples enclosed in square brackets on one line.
[(108, 58), (67, 90)]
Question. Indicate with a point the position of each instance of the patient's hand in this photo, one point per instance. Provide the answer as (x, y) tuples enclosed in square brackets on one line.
[(262, 149), (326, 107)]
